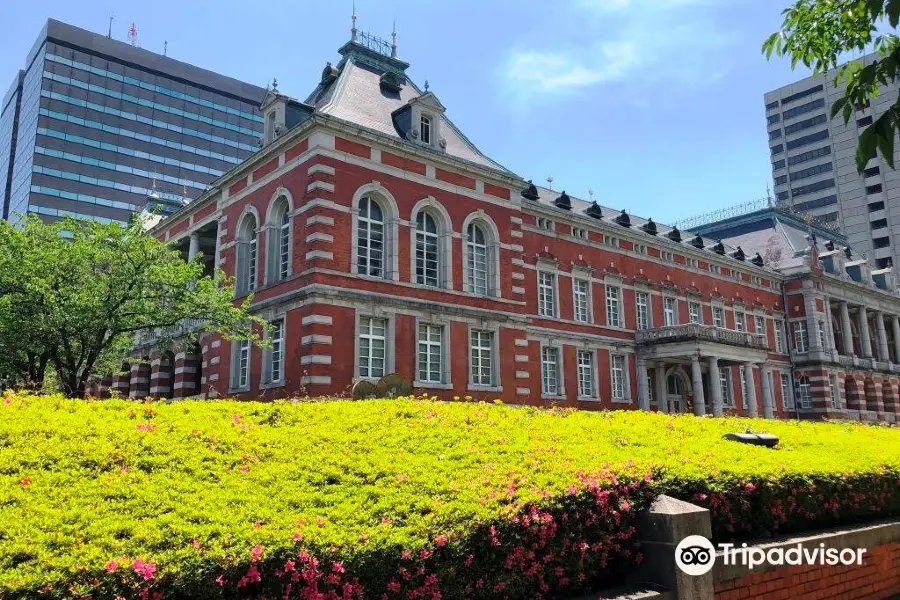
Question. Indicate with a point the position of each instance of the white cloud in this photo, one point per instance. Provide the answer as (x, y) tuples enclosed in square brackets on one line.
[(636, 41)]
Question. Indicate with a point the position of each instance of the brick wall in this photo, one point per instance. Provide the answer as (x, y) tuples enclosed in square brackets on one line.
[(879, 577)]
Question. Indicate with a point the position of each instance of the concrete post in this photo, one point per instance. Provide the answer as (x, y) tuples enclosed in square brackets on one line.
[(864, 339), (895, 323), (846, 333), (661, 400), (661, 528), (697, 376), (715, 388), (194, 247), (643, 394), (765, 380), (881, 336), (750, 400)]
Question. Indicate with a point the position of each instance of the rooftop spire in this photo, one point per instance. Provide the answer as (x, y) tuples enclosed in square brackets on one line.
[(353, 27), (394, 40)]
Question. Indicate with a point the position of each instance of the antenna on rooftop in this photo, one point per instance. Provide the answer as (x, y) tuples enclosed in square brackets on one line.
[(550, 182), (394, 40), (591, 195), (132, 35), (109, 35), (353, 28), (165, 48)]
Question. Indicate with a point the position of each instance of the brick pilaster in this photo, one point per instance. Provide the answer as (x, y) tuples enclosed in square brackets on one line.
[(186, 367), (139, 385)]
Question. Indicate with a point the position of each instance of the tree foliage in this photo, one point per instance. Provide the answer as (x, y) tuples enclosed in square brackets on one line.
[(818, 33), (74, 294)]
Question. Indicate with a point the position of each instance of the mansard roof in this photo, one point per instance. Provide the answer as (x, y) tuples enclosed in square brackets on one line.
[(359, 95)]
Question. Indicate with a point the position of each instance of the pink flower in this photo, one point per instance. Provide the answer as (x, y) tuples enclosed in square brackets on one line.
[(256, 553), (236, 419), (441, 541), (407, 555), (320, 521), (220, 580), (257, 524), (337, 567), (244, 468), (195, 544), (26, 481), (253, 574), (145, 569), (297, 536), (111, 566)]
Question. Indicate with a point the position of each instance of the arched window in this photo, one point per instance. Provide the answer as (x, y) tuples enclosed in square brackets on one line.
[(428, 255), (247, 253), (478, 260), (804, 392), (370, 238), (278, 236), (425, 129)]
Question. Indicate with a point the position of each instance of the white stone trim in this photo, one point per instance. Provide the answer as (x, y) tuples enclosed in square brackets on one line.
[(319, 237), (320, 168), (391, 214), (320, 185), (315, 380), (523, 391), (315, 359), (316, 320), (306, 340), (319, 220), (445, 239), (522, 375), (312, 254), (322, 203)]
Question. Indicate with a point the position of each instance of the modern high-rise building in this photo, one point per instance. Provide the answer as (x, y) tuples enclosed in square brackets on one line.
[(92, 126), (814, 165)]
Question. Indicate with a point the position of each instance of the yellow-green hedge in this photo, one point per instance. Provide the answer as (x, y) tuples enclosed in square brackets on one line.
[(389, 498)]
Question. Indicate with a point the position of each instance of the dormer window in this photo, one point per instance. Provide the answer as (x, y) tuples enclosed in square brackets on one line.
[(425, 129)]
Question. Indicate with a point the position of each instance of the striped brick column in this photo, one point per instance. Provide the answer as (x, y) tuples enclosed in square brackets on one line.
[(878, 407), (160, 374), (139, 385), (186, 368), (121, 382), (103, 386)]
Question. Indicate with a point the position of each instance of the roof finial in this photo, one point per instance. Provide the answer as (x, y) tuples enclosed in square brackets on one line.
[(353, 28), (426, 85), (394, 40), (550, 181), (275, 85)]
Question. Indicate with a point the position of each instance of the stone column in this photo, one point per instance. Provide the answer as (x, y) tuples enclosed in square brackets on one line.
[(643, 395), (697, 376), (829, 330), (864, 340), (186, 365), (661, 401), (812, 323), (750, 400), (715, 388), (881, 337), (846, 333), (139, 385), (194, 247), (895, 323), (765, 380), (160, 385)]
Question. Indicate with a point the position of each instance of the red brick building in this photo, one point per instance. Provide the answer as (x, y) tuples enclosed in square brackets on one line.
[(377, 239)]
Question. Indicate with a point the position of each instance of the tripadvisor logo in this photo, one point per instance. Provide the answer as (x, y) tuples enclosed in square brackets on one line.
[(696, 555)]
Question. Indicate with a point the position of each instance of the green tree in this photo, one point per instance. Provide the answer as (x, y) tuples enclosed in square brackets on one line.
[(817, 33), (74, 294)]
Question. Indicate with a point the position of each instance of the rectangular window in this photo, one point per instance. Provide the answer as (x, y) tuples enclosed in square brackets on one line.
[(777, 148), (809, 155), (801, 337), (781, 180), (812, 187), (694, 312), (760, 325), (820, 325), (550, 371), (803, 108), (617, 376), (243, 364), (482, 354), (718, 317), (873, 189), (740, 322), (786, 400), (670, 312), (804, 124), (878, 224), (546, 294), (874, 206), (811, 171), (804, 392), (867, 120), (276, 353), (807, 92), (613, 306), (581, 288), (725, 386), (431, 346), (779, 337), (778, 164), (372, 347), (882, 242), (835, 391), (773, 118), (586, 387), (642, 309), (872, 171)]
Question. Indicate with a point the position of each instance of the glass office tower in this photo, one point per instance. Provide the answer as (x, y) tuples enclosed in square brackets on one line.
[(93, 126)]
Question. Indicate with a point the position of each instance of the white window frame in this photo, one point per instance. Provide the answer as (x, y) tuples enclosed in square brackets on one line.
[(779, 336), (801, 337), (725, 386), (618, 377), (640, 249), (670, 311), (609, 240), (551, 372), (471, 256), (366, 332), (835, 391), (241, 357), (613, 306), (587, 380), (740, 321), (477, 352), (667, 256), (787, 395), (426, 129), (695, 312), (581, 299), (642, 309), (760, 325), (434, 353), (274, 363), (367, 227), (804, 392), (579, 233), (820, 326), (430, 276), (544, 224), (547, 304), (718, 314)]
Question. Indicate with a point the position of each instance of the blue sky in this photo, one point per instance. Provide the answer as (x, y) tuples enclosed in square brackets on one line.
[(655, 105)]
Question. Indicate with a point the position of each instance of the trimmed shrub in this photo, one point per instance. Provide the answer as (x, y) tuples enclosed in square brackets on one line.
[(390, 499)]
